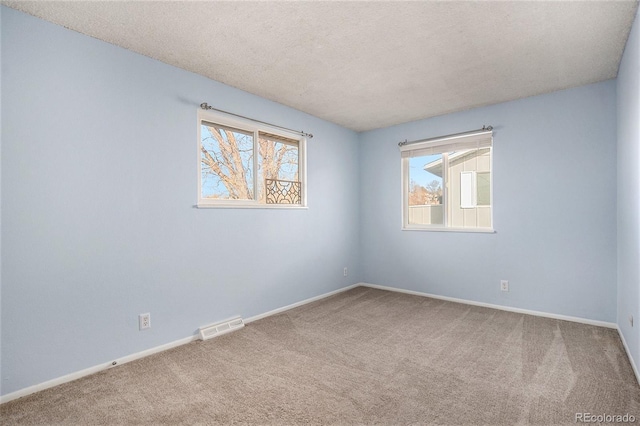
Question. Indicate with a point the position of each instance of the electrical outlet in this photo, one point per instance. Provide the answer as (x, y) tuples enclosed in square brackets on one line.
[(504, 285), (345, 271), (631, 320), (144, 321)]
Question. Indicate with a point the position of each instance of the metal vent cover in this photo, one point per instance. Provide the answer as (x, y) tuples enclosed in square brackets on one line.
[(221, 328)]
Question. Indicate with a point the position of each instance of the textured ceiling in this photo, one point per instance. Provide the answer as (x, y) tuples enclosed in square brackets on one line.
[(366, 65)]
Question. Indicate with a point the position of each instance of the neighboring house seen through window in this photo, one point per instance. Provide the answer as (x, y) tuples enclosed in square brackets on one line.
[(447, 183)]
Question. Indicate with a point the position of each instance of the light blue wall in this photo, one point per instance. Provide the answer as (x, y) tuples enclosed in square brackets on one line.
[(554, 208), (628, 85), (98, 180), (98, 187)]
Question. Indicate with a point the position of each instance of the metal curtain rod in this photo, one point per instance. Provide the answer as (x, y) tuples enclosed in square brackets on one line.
[(206, 106), (484, 128)]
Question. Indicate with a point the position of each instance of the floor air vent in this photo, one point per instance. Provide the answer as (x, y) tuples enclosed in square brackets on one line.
[(221, 328)]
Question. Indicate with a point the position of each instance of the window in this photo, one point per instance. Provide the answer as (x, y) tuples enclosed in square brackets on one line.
[(242, 164), (447, 183)]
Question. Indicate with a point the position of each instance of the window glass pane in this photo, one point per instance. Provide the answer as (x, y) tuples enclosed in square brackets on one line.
[(227, 162), (425, 190), (447, 183), (278, 170), (484, 188), (465, 169)]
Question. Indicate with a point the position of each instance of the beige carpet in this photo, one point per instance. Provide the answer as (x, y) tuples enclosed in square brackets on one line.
[(361, 357)]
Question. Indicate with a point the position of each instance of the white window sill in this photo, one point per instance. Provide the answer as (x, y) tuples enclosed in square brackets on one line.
[(250, 206), (443, 229)]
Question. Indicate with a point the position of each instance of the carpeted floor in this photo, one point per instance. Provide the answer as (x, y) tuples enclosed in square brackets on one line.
[(365, 356)]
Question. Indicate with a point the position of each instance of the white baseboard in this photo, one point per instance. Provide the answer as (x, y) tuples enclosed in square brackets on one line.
[(303, 302), (97, 368), (521, 311), (500, 307), (100, 367), (626, 348), (92, 370)]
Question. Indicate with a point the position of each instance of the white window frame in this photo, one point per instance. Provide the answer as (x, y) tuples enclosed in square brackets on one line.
[(255, 128), (444, 145)]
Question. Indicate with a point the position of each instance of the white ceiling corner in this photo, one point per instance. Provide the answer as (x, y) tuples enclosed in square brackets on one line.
[(366, 65)]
